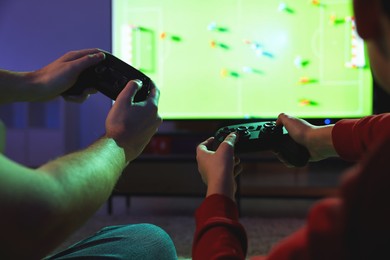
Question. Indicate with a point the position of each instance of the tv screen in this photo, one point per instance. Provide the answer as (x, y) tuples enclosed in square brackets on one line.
[(247, 59)]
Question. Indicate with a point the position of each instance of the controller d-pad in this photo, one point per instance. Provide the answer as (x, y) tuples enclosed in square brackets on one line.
[(226, 131)]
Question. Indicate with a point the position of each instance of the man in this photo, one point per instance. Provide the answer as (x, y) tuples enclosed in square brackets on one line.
[(41, 207)]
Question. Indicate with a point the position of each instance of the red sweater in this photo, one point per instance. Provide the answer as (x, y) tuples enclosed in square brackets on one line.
[(355, 225)]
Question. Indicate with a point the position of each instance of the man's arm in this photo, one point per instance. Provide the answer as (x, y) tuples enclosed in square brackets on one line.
[(2, 137), (40, 208), (48, 82)]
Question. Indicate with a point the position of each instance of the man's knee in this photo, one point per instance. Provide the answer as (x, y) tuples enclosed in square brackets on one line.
[(153, 242)]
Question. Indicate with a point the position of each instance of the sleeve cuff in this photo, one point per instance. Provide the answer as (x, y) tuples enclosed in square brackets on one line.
[(343, 141), (217, 205)]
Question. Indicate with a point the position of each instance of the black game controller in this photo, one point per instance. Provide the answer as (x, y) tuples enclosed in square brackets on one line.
[(109, 77), (262, 136)]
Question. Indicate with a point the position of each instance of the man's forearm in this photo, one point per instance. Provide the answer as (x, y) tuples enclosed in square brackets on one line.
[(88, 176), (16, 86), (85, 180), (2, 136), (51, 202)]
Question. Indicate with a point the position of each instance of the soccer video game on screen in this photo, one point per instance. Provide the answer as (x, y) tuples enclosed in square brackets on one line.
[(238, 59)]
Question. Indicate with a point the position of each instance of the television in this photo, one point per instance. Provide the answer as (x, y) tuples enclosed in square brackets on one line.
[(247, 59)]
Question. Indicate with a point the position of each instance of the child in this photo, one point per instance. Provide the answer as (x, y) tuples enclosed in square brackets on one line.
[(355, 224)]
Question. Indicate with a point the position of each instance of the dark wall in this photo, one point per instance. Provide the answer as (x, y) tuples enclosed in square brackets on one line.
[(381, 99), (35, 32)]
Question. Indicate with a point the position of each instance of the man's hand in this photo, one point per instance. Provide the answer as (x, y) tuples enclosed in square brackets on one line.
[(53, 79), (132, 124)]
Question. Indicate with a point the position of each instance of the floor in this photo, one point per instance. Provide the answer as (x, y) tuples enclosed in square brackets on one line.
[(250, 207), (267, 221)]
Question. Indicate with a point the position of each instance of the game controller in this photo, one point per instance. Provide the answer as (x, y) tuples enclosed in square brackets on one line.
[(109, 77), (262, 136)]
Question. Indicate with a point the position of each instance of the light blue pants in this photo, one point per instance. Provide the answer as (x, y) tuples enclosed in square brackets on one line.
[(138, 241)]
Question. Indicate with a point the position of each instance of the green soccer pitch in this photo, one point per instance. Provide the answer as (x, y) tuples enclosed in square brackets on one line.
[(238, 59)]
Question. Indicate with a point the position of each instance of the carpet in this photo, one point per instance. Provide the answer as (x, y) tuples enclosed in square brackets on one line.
[(263, 233)]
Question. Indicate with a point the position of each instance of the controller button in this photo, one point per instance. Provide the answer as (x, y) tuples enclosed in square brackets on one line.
[(246, 133), (226, 131), (243, 131), (100, 69), (123, 81), (269, 125), (268, 130), (242, 128), (120, 83)]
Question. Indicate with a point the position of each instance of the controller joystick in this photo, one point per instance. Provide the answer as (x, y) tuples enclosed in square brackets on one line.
[(109, 77), (242, 131), (262, 136)]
